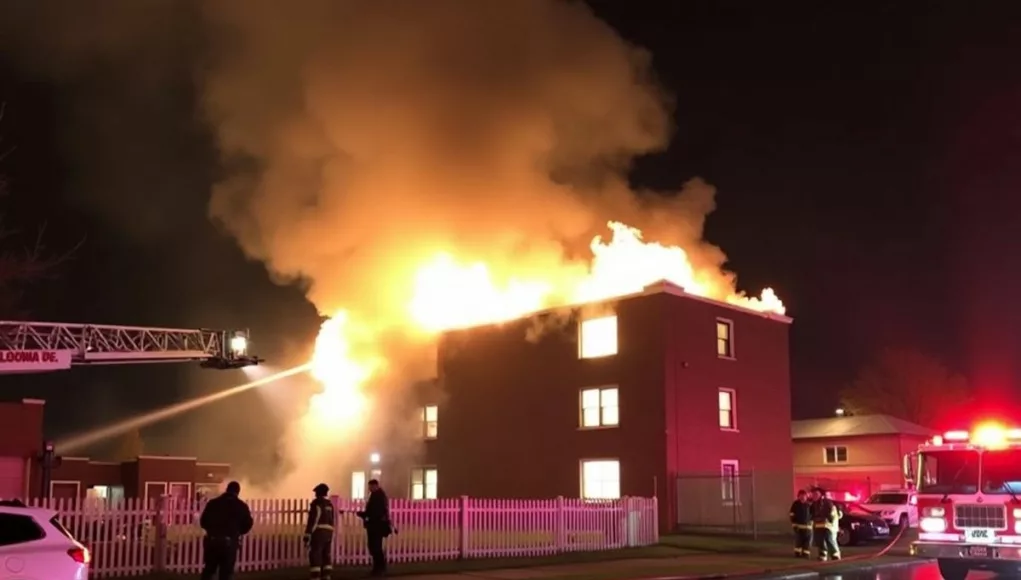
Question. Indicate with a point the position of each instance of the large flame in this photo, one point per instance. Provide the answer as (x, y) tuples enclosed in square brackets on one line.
[(447, 294)]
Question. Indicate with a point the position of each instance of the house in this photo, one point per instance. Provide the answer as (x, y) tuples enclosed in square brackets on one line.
[(854, 454), (659, 393), (146, 476)]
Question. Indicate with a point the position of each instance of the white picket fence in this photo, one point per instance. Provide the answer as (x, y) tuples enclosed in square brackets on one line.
[(131, 538)]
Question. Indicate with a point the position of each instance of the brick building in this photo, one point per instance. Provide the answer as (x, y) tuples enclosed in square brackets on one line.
[(858, 455), (660, 390), (147, 476)]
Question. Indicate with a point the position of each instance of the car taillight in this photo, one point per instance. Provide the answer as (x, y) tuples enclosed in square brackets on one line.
[(80, 555)]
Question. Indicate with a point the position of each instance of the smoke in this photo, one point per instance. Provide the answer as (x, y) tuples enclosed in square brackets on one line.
[(358, 138), (362, 137)]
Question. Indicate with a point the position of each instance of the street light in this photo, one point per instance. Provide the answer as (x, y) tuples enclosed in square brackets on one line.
[(374, 458)]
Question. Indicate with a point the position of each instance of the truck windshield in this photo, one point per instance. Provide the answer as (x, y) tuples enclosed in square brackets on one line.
[(1001, 472), (948, 472)]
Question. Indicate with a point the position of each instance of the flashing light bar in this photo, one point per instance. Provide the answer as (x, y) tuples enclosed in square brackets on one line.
[(985, 435)]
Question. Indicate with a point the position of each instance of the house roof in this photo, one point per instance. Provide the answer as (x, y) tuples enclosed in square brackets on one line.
[(855, 426)]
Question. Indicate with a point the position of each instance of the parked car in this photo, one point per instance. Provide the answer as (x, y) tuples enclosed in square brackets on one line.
[(858, 526), (34, 545), (898, 507)]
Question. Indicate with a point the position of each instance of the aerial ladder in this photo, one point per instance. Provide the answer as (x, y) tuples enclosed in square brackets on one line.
[(29, 347)]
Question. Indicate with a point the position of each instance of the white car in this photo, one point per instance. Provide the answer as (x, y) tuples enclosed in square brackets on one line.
[(34, 545), (899, 507)]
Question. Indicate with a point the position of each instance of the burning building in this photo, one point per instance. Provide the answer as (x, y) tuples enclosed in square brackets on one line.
[(659, 392)]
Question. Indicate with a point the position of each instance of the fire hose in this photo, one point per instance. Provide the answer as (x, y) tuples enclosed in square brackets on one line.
[(800, 565)]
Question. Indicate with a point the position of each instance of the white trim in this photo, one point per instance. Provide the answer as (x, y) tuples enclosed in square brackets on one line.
[(675, 290), (169, 457), (599, 392), (836, 456), (103, 462), (736, 489), (66, 458), (77, 486), (730, 338), (145, 489), (581, 474), (733, 409), (188, 496), (33, 402), (207, 464)]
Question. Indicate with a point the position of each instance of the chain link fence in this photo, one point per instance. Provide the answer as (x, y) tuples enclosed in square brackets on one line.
[(752, 502)]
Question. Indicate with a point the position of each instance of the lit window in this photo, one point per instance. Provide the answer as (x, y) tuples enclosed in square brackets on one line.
[(600, 479), (423, 483), (729, 474), (358, 485), (430, 421), (837, 454), (724, 338), (599, 408), (597, 337), (728, 411)]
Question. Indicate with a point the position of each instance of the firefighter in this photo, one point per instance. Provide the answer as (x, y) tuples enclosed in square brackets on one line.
[(826, 525), (225, 519), (378, 526), (318, 537), (801, 522)]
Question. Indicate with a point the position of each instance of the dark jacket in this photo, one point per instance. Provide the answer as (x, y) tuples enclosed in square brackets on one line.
[(801, 514), (377, 513), (226, 516), (320, 516), (825, 514)]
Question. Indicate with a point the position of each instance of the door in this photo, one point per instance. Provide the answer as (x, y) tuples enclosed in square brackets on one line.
[(12, 478)]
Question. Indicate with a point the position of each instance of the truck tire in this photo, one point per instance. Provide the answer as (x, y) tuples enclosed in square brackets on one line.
[(952, 570)]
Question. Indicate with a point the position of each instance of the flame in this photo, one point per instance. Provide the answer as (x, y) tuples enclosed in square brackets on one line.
[(343, 401), (446, 293)]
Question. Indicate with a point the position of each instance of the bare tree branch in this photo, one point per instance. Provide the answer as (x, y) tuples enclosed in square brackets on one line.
[(22, 265)]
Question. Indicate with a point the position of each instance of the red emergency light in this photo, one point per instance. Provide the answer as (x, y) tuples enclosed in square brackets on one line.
[(987, 434)]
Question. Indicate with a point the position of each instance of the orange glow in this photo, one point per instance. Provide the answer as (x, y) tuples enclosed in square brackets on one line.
[(989, 434), (447, 292)]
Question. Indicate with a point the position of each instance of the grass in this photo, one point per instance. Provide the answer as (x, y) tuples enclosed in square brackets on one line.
[(676, 555)]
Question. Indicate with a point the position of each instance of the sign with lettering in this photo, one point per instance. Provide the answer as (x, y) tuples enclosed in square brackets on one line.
[(979, 536), (32, 361)]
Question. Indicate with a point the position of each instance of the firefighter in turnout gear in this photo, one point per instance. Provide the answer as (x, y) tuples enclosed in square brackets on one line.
[(826, 525), (319, 534), (801, 522)]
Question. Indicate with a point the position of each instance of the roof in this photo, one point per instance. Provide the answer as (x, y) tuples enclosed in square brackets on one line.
[(856, 426)]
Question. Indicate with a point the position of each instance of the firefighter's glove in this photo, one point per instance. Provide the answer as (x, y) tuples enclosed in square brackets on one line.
[(306, 540)]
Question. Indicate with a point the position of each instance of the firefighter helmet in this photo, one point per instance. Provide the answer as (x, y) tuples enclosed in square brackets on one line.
[(321, 490)]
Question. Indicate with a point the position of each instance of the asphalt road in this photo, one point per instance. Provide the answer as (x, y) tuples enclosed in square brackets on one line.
[(922, 572)]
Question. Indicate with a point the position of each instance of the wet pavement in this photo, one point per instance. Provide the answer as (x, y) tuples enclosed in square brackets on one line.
[(920, 572)]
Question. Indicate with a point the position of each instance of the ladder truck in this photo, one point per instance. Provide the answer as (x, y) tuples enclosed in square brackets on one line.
[(32, 347)]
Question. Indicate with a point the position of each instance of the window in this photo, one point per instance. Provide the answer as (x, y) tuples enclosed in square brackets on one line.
[(724, 338), (597, 337), (599, 408), (18, 529), (728, 410), (423, 483), (836, 454), (729, 473), (430, 421), (600, 479), (358, 485)]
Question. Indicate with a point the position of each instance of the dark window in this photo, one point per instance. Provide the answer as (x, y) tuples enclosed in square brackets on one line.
[(18, 529), (836, 454)]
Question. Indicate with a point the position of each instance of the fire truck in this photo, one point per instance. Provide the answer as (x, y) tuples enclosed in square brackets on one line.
[(968, 484), (32, 347)]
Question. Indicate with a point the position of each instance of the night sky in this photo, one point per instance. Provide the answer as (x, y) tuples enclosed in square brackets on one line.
[(865, 155)]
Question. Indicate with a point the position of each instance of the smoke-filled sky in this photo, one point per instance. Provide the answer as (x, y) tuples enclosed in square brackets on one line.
[(862, 163)]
